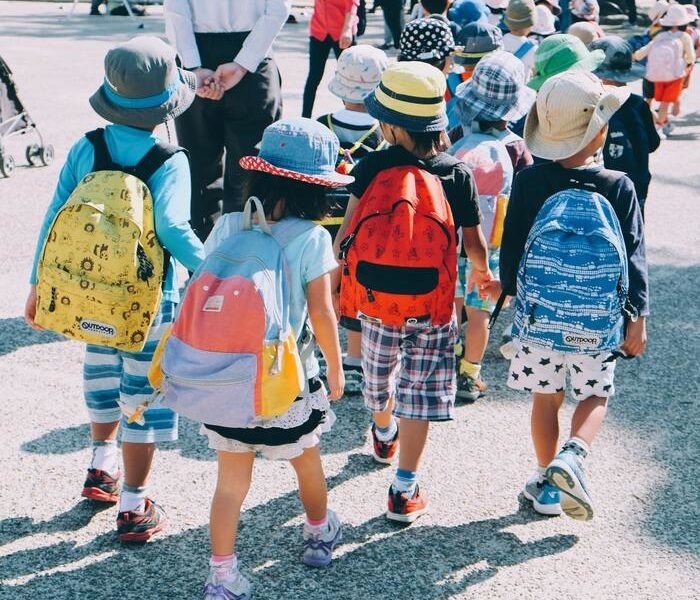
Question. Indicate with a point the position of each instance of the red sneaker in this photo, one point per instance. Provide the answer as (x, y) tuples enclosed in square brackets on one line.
[(140, 527), (384, 452), (406, 509), (101, 486)]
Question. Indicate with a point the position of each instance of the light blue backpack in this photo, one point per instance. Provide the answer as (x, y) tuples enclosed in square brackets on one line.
[(572, 280)]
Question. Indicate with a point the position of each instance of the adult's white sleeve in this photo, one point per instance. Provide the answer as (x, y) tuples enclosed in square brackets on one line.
[(263, 34), (180, 32)]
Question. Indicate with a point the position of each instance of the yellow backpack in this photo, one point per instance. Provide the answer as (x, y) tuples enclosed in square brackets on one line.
[(100, 274)]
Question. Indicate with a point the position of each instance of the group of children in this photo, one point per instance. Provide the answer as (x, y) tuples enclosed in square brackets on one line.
[(416, 301)]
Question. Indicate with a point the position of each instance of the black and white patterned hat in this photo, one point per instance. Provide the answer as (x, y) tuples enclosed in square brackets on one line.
[(426, 40)]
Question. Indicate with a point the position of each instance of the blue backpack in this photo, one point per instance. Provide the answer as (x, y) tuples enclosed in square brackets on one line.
[(572, 281)]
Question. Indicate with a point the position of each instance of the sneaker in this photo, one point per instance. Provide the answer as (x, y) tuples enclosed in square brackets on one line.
[(566, 474), (668, 128), (133, 526), (226, 584), (353, 380), (101, 486), (384, 452), (406, 509), (661, 134), (545, 497), (318, 548), (469, 389)]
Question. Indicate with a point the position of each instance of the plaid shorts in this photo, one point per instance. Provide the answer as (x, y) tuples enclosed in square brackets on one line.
[(414, 364)]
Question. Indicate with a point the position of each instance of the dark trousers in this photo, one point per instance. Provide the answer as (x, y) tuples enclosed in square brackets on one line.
[(631, 10), (318, 55), (218, 133), (392, 16)]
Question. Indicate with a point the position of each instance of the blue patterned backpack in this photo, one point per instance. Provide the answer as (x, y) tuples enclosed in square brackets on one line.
[(572, 280)]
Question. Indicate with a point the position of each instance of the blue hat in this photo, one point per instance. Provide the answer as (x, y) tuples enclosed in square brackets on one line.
[(617, 65), (464, 12), (475, 41), (301, 149)]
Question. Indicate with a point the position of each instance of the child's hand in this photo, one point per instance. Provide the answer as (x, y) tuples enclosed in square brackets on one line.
[(336, 383), (30, 309), (229, 75), (491, 290), (479, 278), (635, 337), (207, 87)]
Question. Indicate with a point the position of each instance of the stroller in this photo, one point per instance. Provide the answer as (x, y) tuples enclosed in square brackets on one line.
[(14, 120)]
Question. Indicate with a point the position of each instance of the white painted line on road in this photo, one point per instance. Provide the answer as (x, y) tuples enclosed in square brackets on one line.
[(74, 566)]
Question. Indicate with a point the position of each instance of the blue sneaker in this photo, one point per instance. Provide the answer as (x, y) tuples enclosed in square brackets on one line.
[(318, 548), (566, 474), (545, 498)]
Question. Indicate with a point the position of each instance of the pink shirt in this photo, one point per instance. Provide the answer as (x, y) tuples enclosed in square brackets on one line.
[(329, 18)]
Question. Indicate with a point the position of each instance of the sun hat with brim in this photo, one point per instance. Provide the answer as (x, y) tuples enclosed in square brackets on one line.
[(358, 72), (586, 31), (476, 40), (426, 40), (301, 149), (464, 12), (676, 16), (495, 92), (520, 14), (553, 5), (692, 11), (562, 52), (497, 4), (143, 87), (544, 22), (658, 10), (410, 95), (570, 111), (618, 64)]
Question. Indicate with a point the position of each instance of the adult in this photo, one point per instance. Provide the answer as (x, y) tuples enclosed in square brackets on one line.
[(228, 47), (333, 25), (393, 22)]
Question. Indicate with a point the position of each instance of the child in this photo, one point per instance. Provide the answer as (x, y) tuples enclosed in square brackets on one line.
[(428, 40), (519, 18), (495, 95), (586, 31), (435, 9), (497, 10), (568, 125), (559, 53), (669, 58), (359, 70), (631, 132), (464, 12), (544, 23), (410, 105), (295, 165), (584, 10), (115, 381)]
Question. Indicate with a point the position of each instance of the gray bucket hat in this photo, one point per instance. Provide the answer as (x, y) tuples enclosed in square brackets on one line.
[(143, 86)]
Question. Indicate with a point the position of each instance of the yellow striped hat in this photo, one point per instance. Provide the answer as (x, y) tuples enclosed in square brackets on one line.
[(410, 95)]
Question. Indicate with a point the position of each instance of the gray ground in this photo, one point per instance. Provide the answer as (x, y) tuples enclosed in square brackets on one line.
[(479, 540)]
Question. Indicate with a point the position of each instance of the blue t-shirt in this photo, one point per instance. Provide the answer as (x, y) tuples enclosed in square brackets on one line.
[(170, 188)]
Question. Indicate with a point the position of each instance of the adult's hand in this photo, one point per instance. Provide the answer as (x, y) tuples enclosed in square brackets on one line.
[(229, 75), (207, 86), (345, 40)]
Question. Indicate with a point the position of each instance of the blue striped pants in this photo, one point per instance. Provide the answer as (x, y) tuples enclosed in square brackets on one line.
[(110, 375)]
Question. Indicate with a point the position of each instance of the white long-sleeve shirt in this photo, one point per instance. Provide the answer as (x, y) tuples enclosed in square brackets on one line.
[(263, 18)]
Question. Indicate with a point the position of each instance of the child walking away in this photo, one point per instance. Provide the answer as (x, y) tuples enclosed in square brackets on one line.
[(495, 95), (239, 360), (86, 283), (398, 253), (519, 18), (631, 132), (573, 254), (670, 55), (359, 70)]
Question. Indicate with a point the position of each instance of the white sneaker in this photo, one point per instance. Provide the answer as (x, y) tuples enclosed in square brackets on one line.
[(226, 584), (318, 547)]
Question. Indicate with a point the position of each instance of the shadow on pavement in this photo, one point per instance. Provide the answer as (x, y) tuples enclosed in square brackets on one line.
[(436, 561), (16, 334)]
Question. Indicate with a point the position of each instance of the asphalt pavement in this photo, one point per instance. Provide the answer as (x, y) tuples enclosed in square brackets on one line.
[(480, 539)]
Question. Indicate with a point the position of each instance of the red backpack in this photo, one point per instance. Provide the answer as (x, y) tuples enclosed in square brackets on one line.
[(400, 257)]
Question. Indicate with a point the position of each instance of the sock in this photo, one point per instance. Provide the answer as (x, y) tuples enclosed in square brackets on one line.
[(540, 471), (353, 361), (132, 498), (320, 526), (470, 368), (223, 561), (405, 481), (578, 446), (386, 434), (105, 456)]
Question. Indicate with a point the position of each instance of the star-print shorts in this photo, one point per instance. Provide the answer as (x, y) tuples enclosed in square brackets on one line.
[(544, 371)]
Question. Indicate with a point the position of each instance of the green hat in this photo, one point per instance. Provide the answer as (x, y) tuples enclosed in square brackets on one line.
[(563, 52)]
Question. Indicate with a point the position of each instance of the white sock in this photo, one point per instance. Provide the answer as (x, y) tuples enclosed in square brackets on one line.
[(105, 456), (132, 498), (388, 434), (541, 471), (580, 447), (352, 361), (317, 527)]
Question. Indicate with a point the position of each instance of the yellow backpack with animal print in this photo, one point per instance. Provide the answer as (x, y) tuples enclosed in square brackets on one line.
[(100, 274)]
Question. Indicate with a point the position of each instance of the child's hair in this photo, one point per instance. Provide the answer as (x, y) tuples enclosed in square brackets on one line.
[(433, 62), (435, 7), (672, 27), (301, 199), (428, 142)]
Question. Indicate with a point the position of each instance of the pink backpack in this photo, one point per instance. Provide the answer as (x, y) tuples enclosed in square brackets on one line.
[(665, 61)]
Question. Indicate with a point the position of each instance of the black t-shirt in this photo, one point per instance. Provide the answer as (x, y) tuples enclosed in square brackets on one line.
[(457, 180), (534, 185)]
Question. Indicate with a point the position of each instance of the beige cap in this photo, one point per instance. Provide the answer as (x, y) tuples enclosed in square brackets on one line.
[(571, 109)]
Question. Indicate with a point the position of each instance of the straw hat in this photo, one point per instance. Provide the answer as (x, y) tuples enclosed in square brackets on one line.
[(358, 72), (570, 111)]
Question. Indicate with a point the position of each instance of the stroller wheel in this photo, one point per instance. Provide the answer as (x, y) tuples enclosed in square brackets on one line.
[(7, 165), (46, 154), (31, 152)]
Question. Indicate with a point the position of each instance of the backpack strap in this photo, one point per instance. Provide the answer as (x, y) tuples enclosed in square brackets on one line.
[(525, 47), (154, 159), (287, 230), (103, 159)]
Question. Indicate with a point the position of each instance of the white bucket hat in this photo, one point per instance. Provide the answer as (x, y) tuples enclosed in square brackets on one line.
[(570, 111), (676, 16), (359, 71), (658, 10), (544, 21)]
